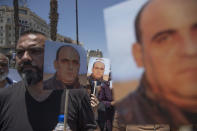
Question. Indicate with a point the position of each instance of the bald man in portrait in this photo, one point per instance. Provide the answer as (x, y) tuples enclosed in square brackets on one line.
[(66, 64), (166, 47)]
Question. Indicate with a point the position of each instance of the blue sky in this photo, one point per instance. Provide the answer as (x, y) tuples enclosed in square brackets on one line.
[(103, 24), (119, 24), (91, 19)]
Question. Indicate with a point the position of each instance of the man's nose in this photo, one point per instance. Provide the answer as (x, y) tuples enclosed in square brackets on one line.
[(70, 65), (189, 46), (26, 56)]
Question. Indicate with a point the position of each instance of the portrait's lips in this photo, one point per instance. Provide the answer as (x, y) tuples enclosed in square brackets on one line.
[(189, 70)]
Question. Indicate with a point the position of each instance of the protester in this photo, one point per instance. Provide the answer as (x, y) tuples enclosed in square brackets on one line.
[(26, 106), (104, 94), (5, 81)]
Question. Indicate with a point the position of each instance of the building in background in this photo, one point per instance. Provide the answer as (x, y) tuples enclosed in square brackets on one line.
[(28, 20), (94, 53)]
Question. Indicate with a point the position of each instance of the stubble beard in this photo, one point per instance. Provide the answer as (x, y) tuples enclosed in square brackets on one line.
[(3, 75), (31, 77)]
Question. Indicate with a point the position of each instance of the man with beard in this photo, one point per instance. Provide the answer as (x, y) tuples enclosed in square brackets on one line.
[(4, 80), (166, 33), (26, 106)]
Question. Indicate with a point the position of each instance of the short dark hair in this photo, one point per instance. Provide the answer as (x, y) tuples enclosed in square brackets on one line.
[(138, 33), (59, 49), (32, 32)]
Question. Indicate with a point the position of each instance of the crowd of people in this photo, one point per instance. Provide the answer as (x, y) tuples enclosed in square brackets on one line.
[(166, 47)]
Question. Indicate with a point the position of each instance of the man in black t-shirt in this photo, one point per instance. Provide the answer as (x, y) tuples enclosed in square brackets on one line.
[(19, 111), (25, 106)]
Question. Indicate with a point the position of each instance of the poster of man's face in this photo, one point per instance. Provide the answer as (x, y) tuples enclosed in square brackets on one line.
[(65, 63), (99, 68)]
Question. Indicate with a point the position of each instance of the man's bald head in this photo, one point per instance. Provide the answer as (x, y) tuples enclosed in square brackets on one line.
[(67, 47), (148, 6), (67, 64), (167, 31)]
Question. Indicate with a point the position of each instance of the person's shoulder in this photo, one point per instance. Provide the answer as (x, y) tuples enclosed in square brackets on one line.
[(126, 100), (48, 84), (48, 80), (12, 90), (125, 107), (14, 86), (80, 92)]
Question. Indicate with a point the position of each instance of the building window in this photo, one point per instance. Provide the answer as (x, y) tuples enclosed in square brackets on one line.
[(8, 19), (1, 20), (22, 11)]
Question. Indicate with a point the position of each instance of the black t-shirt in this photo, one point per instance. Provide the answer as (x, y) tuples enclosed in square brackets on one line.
[(20, 112)]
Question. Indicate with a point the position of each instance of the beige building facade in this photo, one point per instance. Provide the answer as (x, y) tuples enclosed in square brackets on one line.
[(28, 20)]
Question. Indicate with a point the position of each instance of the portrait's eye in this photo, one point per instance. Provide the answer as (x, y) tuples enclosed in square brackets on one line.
[(162, 38), (64, 60), (75, 62), (102, 69), (96, 68)]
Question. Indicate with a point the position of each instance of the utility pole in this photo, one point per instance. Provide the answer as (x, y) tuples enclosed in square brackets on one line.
[(77, 33)]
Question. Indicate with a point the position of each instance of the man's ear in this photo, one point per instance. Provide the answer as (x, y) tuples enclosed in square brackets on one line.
[(55, 65), (137, 51)]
